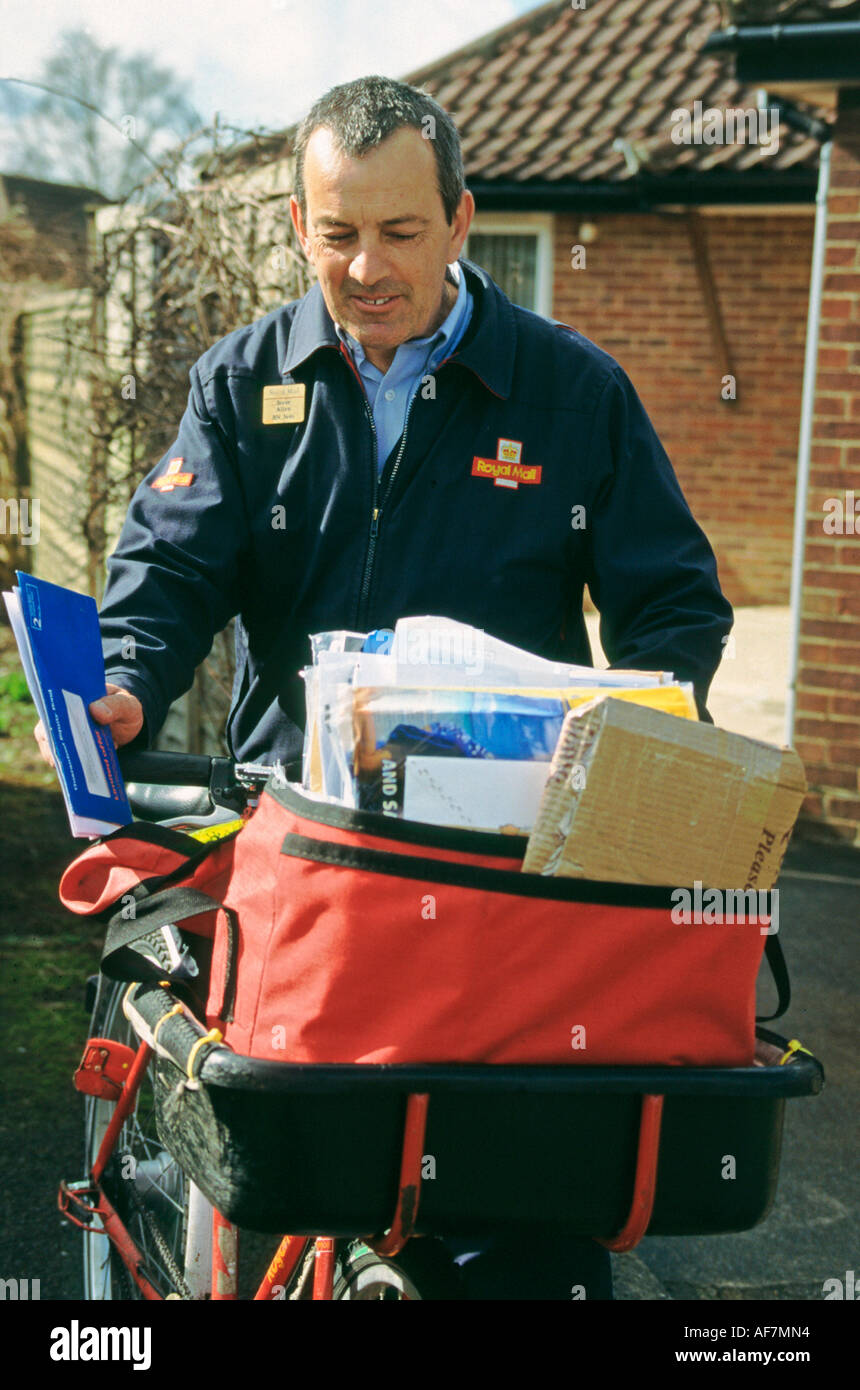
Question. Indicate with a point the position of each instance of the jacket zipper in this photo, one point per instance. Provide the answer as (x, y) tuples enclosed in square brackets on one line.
[(376, 511), (378, 506)]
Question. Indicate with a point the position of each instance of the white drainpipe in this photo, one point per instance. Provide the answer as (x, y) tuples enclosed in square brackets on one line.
[(805, 441)]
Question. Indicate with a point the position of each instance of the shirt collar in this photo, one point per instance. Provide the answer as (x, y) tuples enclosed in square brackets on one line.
[(487, 348)]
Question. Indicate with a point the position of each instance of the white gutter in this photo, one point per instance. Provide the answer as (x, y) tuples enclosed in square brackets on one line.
[(805, 442)]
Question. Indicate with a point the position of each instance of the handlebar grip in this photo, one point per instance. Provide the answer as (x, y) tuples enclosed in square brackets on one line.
[(166, 769)]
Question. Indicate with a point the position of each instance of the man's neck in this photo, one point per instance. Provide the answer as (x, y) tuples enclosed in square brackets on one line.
[(449, 299)]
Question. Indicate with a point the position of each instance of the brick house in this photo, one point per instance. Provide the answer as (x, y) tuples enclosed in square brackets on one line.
[(815, 55), (58, 215), (635, 181), (688, 262)]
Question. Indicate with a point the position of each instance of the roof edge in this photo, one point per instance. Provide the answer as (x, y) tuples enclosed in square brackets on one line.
[(92, 193), (736, 36), (643, 194), (821, 53)]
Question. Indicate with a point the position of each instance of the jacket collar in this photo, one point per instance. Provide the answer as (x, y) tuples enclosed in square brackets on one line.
[(487, 349)]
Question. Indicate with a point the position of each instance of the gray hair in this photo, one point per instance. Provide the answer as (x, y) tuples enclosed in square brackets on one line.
[(361, 114)]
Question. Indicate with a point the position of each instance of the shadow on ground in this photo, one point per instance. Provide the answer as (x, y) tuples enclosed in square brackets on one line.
[(810, 1234)]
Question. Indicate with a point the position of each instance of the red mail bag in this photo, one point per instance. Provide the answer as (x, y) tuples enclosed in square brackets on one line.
[(350, 936)]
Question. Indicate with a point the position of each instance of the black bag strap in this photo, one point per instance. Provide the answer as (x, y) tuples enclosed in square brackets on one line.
[(164, 836), (779, 969), (193, 852), (171, 905), (161, 901), (165, 908)]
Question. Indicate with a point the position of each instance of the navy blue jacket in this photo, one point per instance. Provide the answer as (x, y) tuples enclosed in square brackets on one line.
[(288, 526)]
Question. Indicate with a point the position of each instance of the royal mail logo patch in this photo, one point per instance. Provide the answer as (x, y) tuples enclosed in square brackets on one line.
[(507, 468), (510, 450), (172, 477)]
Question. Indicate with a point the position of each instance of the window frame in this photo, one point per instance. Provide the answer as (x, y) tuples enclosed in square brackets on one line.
[(539, 224)]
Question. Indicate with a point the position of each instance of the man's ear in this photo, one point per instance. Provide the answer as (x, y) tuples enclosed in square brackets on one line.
[(460, 225), (299, 223)]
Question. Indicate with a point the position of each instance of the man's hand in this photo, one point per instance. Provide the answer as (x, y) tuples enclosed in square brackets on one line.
[(118, 708)]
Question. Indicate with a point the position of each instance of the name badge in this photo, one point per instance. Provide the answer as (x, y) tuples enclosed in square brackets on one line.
[(284, 405)]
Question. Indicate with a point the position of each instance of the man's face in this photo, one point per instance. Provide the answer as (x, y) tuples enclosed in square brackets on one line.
[(376, 230)]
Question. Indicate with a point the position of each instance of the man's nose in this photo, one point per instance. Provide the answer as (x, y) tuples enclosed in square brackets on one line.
[(369, 265)]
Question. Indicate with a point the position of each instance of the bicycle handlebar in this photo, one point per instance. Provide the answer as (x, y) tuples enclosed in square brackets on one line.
[(167, 769), (193, 783)]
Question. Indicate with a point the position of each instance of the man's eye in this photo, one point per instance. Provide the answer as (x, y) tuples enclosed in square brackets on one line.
[(331, 238)]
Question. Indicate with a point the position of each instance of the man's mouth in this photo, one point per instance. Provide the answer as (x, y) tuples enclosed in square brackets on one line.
[(379, 302)]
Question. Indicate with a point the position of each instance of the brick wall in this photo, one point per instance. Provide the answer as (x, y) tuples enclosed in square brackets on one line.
[(828, 694), (639, 298)]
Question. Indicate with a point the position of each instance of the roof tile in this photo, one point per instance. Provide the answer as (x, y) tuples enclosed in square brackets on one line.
[(546, 96)]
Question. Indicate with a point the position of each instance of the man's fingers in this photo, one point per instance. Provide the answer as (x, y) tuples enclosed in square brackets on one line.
[(122, 711), (118, 708), (44, 745), (107, 709)]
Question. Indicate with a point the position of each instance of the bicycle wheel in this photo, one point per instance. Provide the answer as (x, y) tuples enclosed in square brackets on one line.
[(419, 1271), (145, 1184), (361, 1274)]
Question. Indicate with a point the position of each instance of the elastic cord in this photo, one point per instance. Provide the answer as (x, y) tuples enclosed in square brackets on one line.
[(213, 1036), (177, 1009)]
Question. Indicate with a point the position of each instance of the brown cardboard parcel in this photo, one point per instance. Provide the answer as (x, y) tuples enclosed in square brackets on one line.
[(638, 796)]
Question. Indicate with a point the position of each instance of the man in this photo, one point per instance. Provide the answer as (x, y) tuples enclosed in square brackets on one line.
[(402, 440)]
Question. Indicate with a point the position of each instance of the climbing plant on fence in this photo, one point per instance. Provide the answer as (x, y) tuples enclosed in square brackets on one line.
[(204, 246)]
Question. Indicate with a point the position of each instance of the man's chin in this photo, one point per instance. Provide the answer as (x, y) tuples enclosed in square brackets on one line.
[(380, 321), (378, 335)]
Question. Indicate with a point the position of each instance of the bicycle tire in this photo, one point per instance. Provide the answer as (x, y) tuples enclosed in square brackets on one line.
[(417, 1273), (150, 1192)]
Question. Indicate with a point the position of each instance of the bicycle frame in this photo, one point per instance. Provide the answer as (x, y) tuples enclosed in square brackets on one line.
[(90, 1201), (84, 1203)]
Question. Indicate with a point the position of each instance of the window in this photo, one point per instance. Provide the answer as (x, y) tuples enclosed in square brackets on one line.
[(516, 252)]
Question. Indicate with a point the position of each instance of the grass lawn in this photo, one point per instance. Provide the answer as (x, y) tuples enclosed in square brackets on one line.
[(45, 952)]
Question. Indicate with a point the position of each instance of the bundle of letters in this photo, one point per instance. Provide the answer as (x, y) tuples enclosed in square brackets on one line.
[(439, 722)]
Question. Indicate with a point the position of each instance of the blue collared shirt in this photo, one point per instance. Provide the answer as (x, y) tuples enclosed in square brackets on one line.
[(389, 394)]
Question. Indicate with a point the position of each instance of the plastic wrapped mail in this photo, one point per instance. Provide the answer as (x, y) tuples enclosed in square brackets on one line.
[(384, 722)]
